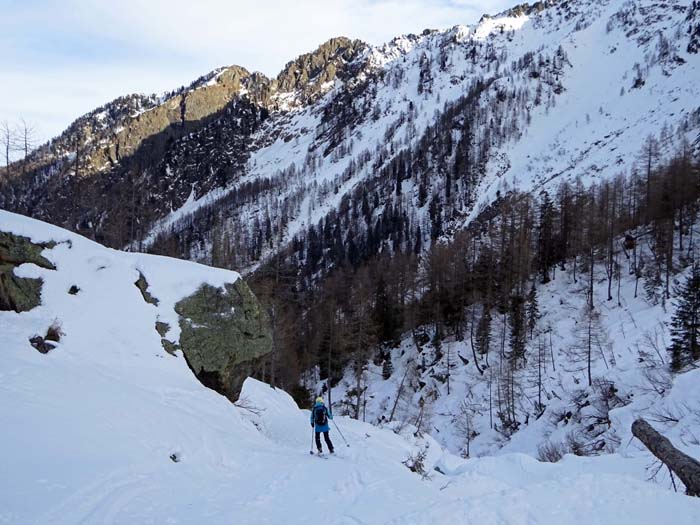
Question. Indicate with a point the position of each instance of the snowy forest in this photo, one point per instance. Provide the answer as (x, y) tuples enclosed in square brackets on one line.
[(377, 289)]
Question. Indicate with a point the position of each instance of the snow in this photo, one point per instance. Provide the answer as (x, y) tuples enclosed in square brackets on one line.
[(489, 26), (633, 359), (102, 271), (593, 128), (88, 430), (595, 131)]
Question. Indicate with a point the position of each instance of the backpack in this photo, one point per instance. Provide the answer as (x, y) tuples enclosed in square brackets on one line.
[(320, 416)]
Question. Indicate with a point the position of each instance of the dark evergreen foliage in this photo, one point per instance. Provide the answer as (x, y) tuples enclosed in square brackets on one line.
[(685, 325)]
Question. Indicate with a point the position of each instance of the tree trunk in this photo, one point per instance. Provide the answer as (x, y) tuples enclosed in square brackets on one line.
[(684, 466), (590, 344), (539, 375), (398, 395), (358, 387), (551, 350), (471, 338), (449, 348), (590, 280)]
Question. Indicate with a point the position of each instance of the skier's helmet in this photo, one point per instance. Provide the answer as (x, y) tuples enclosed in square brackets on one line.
[(319, 399)]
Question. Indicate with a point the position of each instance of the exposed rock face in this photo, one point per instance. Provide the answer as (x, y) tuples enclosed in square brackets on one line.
[(189, 106), (100, 139), (142, 285), (526, 9), (16, 293), (310, 71), (153, 152), (47, 343), (225, 336)]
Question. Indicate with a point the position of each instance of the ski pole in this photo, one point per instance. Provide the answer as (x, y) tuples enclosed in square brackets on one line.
[(311, 450), (339, 432)]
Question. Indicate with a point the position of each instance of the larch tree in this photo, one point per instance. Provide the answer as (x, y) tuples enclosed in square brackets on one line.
[(590, 339)]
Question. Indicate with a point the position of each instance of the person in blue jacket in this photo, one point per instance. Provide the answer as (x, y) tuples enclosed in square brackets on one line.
[(319, 422)]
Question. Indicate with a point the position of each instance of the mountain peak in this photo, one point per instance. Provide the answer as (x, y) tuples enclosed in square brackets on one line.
[(525, 9), (308, 72)]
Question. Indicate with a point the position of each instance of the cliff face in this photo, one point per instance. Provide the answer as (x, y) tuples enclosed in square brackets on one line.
[(190, 106), (100, 139), (307, 74)]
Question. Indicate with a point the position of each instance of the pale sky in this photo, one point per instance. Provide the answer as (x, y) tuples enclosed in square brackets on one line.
[(60, 59)]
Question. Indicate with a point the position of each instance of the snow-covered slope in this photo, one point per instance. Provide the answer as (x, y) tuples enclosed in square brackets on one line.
[(521, 101), (108, 428), (556, 407)]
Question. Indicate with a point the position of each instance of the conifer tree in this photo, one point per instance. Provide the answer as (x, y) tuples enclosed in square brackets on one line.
[(483, 332), (387, 367), (545, 243), (685, 326), (383, 313), (532, 309), (517, 330)]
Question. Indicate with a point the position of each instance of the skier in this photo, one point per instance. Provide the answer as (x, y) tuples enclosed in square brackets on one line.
[(319, 422)]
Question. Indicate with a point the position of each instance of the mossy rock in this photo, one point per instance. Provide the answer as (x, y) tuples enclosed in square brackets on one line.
[(169, 346), (20, 294), (162, 328), (142, 285), (225, 335)]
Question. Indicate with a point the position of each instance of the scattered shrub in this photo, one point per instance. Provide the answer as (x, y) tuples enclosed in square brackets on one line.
[(549, 452), (416, 462)]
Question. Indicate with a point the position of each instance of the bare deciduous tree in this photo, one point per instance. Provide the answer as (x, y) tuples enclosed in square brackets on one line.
[(26, 140), (7, 135)]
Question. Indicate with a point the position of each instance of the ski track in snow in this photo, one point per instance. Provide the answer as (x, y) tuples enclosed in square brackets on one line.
[(88, 430)]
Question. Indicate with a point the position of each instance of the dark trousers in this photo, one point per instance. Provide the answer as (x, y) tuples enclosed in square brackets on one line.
[(326, 438)]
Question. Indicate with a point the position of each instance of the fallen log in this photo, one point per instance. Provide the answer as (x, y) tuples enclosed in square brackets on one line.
[(684, 466)]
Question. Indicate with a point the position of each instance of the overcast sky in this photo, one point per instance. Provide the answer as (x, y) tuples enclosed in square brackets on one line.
[(62, 58)]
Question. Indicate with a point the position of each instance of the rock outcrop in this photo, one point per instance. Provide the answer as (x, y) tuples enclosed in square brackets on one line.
[(225, 335), (192, 105), (307, 74), (19, 294)]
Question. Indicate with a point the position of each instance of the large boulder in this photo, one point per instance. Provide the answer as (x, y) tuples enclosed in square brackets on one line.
[(16, 293), (225, 335)]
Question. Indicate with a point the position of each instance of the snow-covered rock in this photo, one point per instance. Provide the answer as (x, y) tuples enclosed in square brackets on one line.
[(88, 292)]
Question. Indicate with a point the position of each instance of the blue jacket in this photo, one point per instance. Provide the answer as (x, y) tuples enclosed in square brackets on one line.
[(320, 428)]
